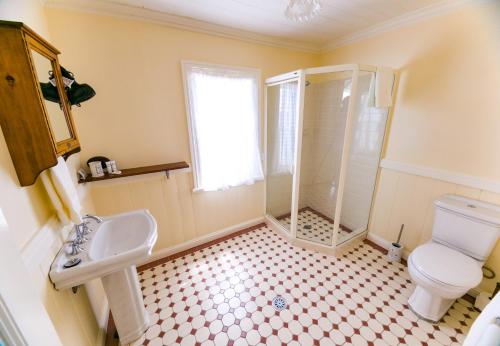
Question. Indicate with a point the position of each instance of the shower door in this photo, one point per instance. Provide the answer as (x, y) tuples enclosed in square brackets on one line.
[(282, 127), (326, 104), (323, 149), (361, 161)]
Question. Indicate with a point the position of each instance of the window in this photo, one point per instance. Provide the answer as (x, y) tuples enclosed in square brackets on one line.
[(223, 116), (287, 117)]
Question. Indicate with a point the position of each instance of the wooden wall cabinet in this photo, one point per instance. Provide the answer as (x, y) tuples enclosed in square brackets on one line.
[(36, 131)]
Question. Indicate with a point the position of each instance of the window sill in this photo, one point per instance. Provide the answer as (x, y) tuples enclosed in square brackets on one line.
[(200, 190)]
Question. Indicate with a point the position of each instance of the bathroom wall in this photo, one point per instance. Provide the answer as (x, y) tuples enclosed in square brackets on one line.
[(138, 116), (31, 218), (32, 200), (445, 115)]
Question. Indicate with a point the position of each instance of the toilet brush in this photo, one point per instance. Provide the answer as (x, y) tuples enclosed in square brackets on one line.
[(396, 249)]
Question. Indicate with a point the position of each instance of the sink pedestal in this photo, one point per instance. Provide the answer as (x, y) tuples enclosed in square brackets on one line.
[(126, 304)]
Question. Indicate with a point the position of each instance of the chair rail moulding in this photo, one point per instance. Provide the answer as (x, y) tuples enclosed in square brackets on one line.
[(443, 175)]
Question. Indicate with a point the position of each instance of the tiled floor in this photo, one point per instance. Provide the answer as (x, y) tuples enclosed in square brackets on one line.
[(222, 295), (314, 227)]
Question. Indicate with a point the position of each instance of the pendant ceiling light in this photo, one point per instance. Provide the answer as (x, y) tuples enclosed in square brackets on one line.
[(302, 10)]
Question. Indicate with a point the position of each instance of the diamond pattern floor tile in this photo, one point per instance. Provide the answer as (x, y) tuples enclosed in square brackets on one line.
[(222, 295), (315, 227)]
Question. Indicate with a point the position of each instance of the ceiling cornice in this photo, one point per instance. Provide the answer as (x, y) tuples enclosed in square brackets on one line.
[(138, 13), (121, 10), (439, 9)]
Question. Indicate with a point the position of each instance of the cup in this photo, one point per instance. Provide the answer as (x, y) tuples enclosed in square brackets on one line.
[(96, 169), (109, 167), (114, 169)]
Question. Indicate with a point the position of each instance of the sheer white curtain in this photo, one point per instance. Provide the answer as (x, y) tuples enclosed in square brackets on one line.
[(224, 125), (284, 148)]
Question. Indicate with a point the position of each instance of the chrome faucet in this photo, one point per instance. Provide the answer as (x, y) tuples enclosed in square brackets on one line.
[(93, 217), (81, 230), (76, 247)]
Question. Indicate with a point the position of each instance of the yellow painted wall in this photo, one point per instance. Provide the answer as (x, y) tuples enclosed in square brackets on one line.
[(446, 114), (139, 118), (27, 210), (32, 201)]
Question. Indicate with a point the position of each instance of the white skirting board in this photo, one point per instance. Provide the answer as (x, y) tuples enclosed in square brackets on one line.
[(202, 240), (383, 243)]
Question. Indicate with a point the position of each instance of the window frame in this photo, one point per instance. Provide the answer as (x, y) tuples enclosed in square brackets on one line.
[(185, 64)]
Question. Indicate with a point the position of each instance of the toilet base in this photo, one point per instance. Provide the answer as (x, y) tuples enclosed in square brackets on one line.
[(429, 306)]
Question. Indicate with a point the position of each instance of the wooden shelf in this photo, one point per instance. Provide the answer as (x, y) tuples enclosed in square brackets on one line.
[(129, 172)]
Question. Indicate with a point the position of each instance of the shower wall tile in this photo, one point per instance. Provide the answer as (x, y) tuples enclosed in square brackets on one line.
[(324, 136), (321, 153)]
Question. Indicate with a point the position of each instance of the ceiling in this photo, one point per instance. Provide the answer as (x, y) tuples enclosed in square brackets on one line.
[(337, 20)]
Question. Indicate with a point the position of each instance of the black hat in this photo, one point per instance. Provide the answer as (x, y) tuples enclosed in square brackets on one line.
[(77, 93)]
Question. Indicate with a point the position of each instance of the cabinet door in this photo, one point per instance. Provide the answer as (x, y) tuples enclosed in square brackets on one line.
[(55, 104)]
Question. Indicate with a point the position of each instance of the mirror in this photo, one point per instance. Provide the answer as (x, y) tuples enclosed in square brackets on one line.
[(281, 137), (55, 112)]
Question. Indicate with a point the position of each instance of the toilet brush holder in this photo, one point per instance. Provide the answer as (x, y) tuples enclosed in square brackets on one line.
[(396, 249), (395, 252)]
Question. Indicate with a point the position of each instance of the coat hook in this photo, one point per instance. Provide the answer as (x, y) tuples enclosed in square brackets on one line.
[(10, 80)]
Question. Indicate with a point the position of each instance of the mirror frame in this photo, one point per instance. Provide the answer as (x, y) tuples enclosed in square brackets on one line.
[(72, 142)]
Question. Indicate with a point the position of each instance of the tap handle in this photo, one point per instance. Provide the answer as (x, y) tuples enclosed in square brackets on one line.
[(75, 248), (84, 227), (80, 235), (80, 239)]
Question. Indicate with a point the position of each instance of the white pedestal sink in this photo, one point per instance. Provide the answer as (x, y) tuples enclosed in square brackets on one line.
[(114, 248)]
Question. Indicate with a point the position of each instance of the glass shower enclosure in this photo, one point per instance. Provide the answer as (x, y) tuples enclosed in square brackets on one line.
[(323, 147)]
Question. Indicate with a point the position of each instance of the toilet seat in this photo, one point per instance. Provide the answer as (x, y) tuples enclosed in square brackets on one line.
[(446, 266)]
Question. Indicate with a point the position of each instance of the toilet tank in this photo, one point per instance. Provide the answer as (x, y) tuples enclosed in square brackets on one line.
[(467, 225)]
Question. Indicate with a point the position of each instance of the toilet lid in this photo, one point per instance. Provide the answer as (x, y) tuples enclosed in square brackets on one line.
[(445, 265)]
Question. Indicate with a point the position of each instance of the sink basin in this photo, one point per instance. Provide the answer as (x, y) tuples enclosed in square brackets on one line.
[(119, 241), (114, 247), (124, 237)]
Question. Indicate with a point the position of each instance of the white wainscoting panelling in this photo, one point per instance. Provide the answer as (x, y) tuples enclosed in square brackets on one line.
[(405, 194), (162, 253), (38, 255)]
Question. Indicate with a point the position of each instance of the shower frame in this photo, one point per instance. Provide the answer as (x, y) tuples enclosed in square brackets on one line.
[(300, 77)]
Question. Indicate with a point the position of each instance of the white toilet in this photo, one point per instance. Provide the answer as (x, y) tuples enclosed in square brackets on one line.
[(444, 269)]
